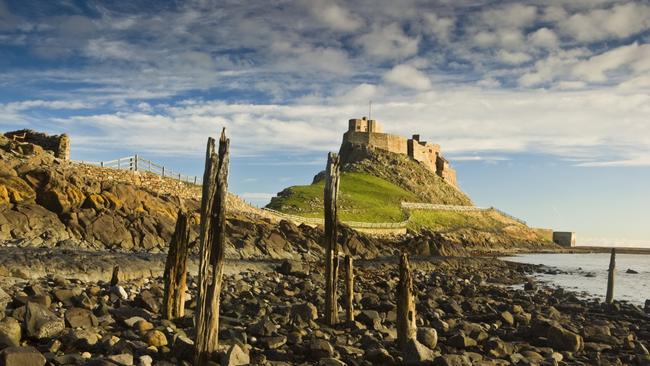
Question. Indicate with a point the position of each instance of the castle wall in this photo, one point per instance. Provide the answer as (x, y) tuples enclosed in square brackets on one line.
[(366, 132), (426, 154), (445, 171), (392, 143), (58, 144)]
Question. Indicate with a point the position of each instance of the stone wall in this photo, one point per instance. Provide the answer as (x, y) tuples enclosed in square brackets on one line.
[(59, 145), (157, 184), (444, 170), (362, 131), (146, 180), (423, 152), (392, 143)]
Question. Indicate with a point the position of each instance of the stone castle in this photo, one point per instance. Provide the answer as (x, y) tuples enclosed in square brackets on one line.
[(368, 132)]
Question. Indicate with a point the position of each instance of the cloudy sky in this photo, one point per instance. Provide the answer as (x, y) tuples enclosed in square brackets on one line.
[(542, 106)]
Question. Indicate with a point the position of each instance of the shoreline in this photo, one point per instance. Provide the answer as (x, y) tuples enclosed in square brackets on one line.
[(468, 312), (619, 250)]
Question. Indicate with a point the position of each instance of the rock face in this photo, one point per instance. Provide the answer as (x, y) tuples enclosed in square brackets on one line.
[(410, 175)]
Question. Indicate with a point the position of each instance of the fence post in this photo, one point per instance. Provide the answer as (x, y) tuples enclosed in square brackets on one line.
[(119, 163), (136, 162), (101, 164), (195, 180), (163, 172)]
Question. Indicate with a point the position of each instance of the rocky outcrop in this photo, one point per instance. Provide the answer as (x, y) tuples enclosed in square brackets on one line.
[(45, 200), (401, 170)]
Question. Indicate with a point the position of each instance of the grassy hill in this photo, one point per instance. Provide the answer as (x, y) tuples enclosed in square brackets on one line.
[(403, 172), (362, 197), (374, 183)]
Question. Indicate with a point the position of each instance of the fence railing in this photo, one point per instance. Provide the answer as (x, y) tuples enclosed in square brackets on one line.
[(352, 224), (139, 164), (434, 206), (456, 208)]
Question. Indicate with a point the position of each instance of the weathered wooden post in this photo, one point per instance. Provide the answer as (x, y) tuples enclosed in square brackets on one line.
[(610, 278), (331, 234), (406, 328), (176, 269), (212, 247), (115, 277), (349, 289)]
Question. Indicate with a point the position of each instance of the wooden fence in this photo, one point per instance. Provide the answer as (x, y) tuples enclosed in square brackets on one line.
[(139, 164)]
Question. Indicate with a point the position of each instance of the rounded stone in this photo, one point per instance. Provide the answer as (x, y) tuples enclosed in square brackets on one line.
[(155, 338)]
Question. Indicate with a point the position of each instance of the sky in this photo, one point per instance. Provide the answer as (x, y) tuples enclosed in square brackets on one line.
[(543, 107)]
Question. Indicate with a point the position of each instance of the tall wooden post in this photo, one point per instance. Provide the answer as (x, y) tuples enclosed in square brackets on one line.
[(349, 289), (212, 247), (115, 277), (610, 278), (176, 269), (331, 193), (406, 328)]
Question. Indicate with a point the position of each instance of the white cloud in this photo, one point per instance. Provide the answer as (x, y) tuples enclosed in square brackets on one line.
[(619, 21), (510, 16), (595, 68), (361, 93), (601, 126), (409, 77), (104, 49), (513, 58), (439, 27), (544, 38), (388, 42), (335, 16)]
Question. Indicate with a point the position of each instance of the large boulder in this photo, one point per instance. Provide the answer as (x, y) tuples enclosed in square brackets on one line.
[(80, 318), (22, 356), (428, 337), (415, 353), (5, 299), (303, 313), (10, 332), (41, 323), (235, 356), (564, 340)]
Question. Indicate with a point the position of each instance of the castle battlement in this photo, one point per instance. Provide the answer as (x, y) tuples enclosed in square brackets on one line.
[(369, 132)]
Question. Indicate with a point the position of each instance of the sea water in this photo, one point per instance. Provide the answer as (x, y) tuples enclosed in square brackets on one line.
[(586, 274)]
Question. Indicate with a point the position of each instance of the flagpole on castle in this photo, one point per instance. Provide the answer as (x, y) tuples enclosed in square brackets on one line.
[(369, 110)]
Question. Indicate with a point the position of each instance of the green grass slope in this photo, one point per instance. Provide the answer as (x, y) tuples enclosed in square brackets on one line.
[(362, 197), (403, 172)]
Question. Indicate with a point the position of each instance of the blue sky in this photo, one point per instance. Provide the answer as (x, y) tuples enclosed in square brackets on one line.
[(542, 106)]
